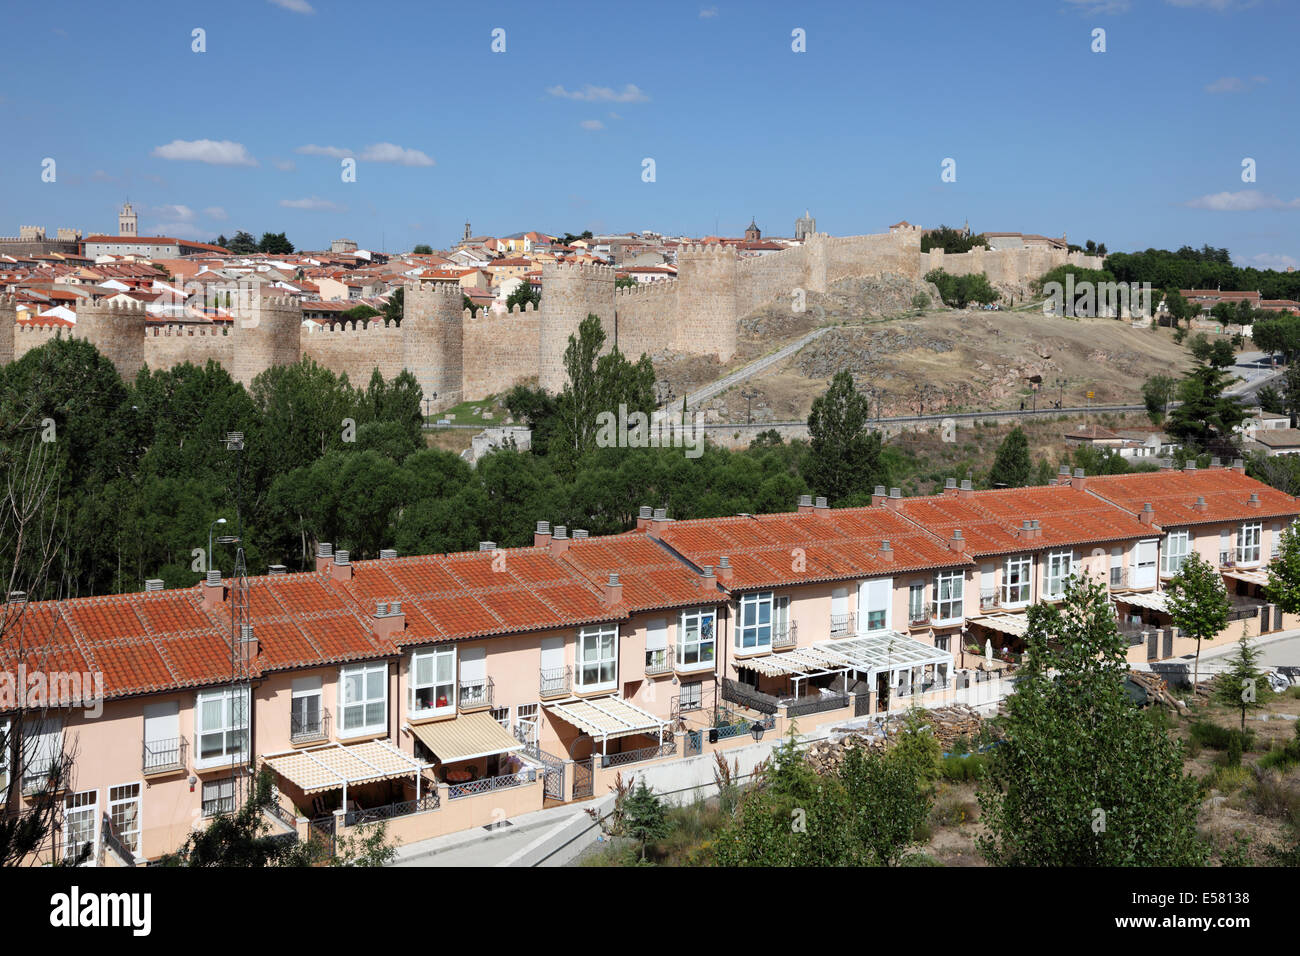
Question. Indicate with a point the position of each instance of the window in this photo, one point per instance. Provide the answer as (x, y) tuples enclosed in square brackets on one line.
[(1275, 541), (218, 796), (364, 709), (42, 752), (1057, 572), (1144, 563), (656, 647), (1225, 548), (1016, 574), (526, 723), (432, 676), (305, 709), (80, 813), (474, 688), (840, 611), (873, 604), (916, 602), (1178, 545), (692, 696), (598, 656), (221, 725), (695, 638), (124, 814), (948, 595), (941, 642), (1248, 541), (163, 748), (781, 620), (502, 716), (754, 622)]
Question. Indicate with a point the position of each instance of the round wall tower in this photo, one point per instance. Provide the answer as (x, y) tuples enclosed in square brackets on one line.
[(8, 317), (116, 329), (267, 332), (569, 294), (706, 300), (433, 336)]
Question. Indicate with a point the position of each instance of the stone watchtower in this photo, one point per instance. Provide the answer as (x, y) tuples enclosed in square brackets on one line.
[(117, 331), (570, 292), (127, 222), (752, 232), (268, 332), (433, 338), (706, 300), (804, 226), (8, 318)]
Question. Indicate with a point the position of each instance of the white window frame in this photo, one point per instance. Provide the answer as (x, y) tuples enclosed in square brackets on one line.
[(1250, 543), (949, 596), (755, 621), (502, 716), (916, 612), (233, 732), (1020, 566), (869, 592), (598, 636), (1057, 568), (5, 746), (692, 695), (82, 804), (1226, 549), (529, 718), (1174, 551), (435, 656), (123, 798), (299, 692), (217, 785), (780, 616), (40, 750), (365, 702), (697, 637)]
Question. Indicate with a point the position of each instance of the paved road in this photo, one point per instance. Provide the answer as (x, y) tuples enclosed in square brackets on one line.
[(483, 852)]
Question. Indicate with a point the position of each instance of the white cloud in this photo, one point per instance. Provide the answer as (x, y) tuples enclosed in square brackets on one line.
[(592, 124), (297, 6), (708, 13), (1098, 7), (215, 212), (179, 230), (337, 152), (314, 204), (174, 212), (214, 152), (1234, 84), (601, 94), (1244, 200), (284, 165), (1218, 5), (392, 153), (1274, 260)]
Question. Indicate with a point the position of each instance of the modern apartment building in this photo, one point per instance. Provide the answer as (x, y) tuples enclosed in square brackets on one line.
[(442, 692)]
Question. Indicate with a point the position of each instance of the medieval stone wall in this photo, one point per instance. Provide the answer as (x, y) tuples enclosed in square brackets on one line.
[(171, 345), (267, 333), (8, 329), (647, 317), (569, 294), (500, 350), (355, 349), (116, 329), (433, 336), (706, 301)]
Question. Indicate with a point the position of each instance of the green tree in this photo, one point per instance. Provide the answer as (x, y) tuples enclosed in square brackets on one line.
[(275, 243), (1011, 465), (1156, 394), (360, 313), (1082, 777), (523, 294), (844, 461), (1206, 419), (422, 249), (625, 282), (644, 819), (1242, 686), (888, 801), (242, 244), (365, 846), (1283, 587), (1198, 603), (395, 307), (921, 301)]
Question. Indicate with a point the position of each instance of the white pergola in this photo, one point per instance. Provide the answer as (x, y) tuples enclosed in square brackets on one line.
[(607, 718), (333, 766), (903, 658)]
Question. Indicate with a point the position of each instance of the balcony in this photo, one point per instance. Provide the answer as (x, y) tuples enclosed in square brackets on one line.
[(1225, 559), (989, 599), (917, 616), (841, 625), (164, 756), (476, 695), (703, 655), (555, 681), (307, 728), (785, 635), (1119, 578), (659, 662), (946, 612)]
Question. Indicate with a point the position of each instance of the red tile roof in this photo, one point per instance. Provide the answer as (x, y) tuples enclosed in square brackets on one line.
[(1173, 496)]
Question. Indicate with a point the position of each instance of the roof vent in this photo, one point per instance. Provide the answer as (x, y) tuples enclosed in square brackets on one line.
[(381, 608), (324, 550), (1216, 462), (387, 554), (579, 533), (395, 608), (245, 633), (895, 493), (214, 577), (1190, 466), (277, 569), (950, 483), (1064, 471), (1026, 525), (821, 502), (724, 561), (966, 485), (340, 557), (1078, 472), (613, 579), (805, 501), (561, 531), (646, 512), (153, 584), (1035, 523), (1238, 463), (544, 527), (17, 597), (487, 545), (661, 514)]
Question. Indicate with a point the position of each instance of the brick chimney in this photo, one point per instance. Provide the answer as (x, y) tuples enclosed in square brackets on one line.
[(966, 490), (214, 591), (886, 553), (389, 620), (708, 580), (1253, 501), (1147, 515), (644, 517), (1200, 504), (324, 555), (950, 486), (1080, 481), (957, 542), (247, 649), (560, 540), (542, 536), (613, 590), (658, 522), (806, 504), (341, 569), (1239, 465), (1063, 476), (723, 570)]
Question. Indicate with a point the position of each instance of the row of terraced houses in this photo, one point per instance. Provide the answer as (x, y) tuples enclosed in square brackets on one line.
[(443, 692)]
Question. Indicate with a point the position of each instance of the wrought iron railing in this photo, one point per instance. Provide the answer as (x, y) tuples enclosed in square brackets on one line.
[(158, 756), (747, 696), (659, 661), (477, 693), (555, 681), (685, 703), (427, 801), (666, 749), (304, 728), (785, 635), (490, 784), (841, 624), (989, 597), (816, 705), (285, 816), (1240, 612), (861, 705)]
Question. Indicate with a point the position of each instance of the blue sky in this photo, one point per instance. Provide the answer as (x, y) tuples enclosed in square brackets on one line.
[(1138, 146)]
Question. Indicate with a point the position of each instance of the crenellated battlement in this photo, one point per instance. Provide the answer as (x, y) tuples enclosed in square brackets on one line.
[(434, 287), (373, 326), (187, 331), (660, 288)]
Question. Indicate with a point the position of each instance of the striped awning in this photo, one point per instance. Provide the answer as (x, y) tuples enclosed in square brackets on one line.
[(466, 737), (804, 662), (1250, 577), (333, 766), (607, 718), (1151, 600), (1012, 624)]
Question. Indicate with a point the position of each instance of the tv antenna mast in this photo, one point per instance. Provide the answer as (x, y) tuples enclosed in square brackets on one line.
[(243, 647)]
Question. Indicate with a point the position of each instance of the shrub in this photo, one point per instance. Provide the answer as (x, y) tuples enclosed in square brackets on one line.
[(959, 769), (1274, 797), (1209, 734), (1233, 755), (1228, 779)]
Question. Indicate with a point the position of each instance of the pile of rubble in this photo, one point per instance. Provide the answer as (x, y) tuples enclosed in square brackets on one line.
[(954, 722), (949, 724), (827, 756)]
